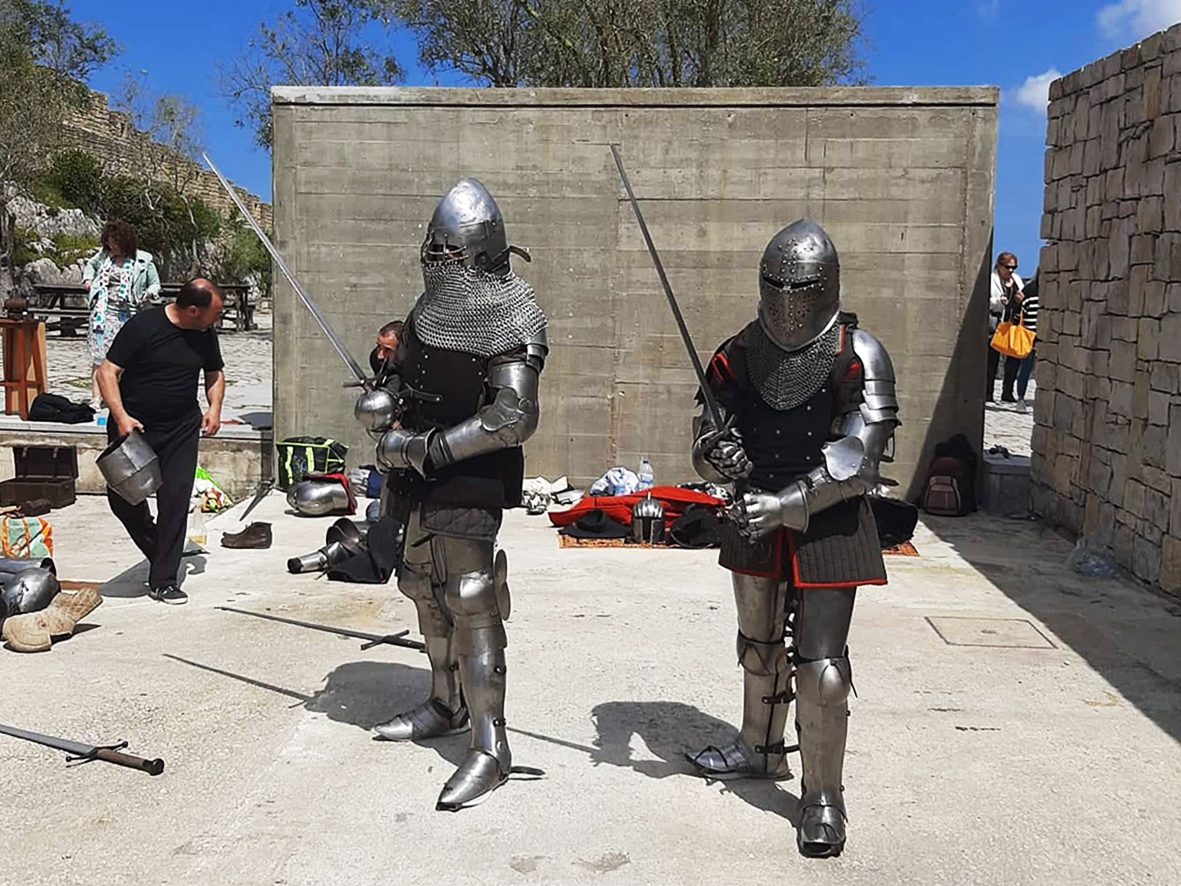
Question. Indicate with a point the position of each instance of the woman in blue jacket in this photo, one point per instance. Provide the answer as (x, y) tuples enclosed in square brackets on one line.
[(121, 278)]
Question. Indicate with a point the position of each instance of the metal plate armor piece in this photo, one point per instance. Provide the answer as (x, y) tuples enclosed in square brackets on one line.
[(799, 285), (468, 227), (30, 590), (648, 521), (462, 309), (315, 498), (376, 410), (785, 379), (131, 468)]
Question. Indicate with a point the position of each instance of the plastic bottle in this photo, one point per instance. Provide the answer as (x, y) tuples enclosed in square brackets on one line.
[(645, 474), (198, 533)]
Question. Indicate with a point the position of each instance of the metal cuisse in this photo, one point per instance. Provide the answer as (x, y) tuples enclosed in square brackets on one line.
[(131, 468)]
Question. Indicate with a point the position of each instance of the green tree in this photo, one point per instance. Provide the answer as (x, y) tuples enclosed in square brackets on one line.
[(318, 43), (619, 43), (44, 54)]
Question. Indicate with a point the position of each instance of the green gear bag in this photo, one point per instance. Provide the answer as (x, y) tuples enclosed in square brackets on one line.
[(296, 457)]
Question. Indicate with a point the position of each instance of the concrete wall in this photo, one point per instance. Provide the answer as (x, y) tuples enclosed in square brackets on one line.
[(1107, 443), (901, 178)]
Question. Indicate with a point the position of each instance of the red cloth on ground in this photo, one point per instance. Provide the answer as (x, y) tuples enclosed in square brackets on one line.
[(619, 507)]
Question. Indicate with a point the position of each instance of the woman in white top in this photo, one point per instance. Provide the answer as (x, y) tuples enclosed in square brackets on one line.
[(1005, 285), (121, 279)]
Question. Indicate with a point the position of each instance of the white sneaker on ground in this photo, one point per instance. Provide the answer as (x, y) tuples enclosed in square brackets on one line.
[(1022, 406)]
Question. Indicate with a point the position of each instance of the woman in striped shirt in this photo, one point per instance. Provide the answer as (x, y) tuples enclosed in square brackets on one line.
[(1021, 308)]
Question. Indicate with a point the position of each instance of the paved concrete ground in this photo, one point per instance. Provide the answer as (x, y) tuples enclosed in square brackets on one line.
[(1049, 763)]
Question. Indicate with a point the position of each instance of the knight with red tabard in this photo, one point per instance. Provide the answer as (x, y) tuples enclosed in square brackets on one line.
[(808, 407)]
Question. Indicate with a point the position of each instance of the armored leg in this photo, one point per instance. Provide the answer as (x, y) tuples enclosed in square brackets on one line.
[(469, 592), (758, 752), (443, 712), (823, 678)]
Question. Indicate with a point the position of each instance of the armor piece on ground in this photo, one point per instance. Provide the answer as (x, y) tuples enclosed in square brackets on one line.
[(799, 285), (332, 554), (13, 565), (785, 379), (36, 631), (648, 521), (850, 463), (317, 498), (759, 750), (373, 511), (348, 534), (30, 590), (131, 468), (466, 310)]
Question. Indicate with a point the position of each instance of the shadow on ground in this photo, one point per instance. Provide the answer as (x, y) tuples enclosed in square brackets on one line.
[(1127, 633), (360, 694), (670, 730)]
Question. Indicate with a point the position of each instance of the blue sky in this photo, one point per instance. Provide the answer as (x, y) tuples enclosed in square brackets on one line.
[(1016, 45)]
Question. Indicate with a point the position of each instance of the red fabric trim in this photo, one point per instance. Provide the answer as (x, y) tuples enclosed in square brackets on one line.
[(813, 585), (619, 507)]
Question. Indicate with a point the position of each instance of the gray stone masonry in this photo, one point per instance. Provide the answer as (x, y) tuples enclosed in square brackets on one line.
[(901, 178), (1107, 435)]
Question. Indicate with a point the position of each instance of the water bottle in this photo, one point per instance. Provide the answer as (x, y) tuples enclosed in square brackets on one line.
[(645, 474)]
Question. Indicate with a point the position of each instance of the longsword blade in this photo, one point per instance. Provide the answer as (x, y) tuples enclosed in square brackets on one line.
[(62, 744), (321, 321), (706, 392)]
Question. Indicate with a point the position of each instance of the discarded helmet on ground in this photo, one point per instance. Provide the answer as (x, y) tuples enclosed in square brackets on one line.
[(648, 521), (131, 468)]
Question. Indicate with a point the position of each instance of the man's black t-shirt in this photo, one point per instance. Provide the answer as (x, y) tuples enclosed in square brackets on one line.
[(161, 366)]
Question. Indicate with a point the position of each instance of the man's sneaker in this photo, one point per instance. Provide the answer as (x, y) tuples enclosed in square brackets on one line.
[(1022, 406), (169, 594)]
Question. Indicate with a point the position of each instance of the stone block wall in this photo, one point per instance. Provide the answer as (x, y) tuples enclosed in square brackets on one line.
[(113, 139), (1107, 439)]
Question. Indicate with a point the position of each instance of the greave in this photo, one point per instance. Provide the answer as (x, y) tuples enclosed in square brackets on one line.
[(443, 713), (482, 673), (822, 721)]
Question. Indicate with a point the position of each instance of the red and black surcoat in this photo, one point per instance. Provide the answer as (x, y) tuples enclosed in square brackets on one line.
[(841, 547)]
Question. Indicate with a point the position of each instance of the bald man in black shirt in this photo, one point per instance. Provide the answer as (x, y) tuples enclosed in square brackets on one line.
[(149, 380)]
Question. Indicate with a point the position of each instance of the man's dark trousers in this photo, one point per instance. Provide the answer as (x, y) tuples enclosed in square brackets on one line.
[(163, 540)]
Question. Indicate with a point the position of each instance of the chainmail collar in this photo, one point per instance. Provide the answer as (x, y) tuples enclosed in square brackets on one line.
[(462, 309), (785, 379)]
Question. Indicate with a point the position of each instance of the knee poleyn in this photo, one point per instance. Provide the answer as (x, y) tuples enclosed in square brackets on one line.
[(824, 682), (471, 595)]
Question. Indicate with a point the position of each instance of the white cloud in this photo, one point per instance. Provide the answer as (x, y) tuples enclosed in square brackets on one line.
[(1034, 93), (1136, 19)]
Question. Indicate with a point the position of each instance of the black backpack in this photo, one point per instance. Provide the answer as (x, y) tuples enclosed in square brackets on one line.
[(55, 407)]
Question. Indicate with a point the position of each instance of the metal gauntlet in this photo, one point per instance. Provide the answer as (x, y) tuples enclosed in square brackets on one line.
[(718, 456)]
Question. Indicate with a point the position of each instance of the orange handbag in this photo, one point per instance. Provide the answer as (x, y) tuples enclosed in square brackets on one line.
[(1013, 340)]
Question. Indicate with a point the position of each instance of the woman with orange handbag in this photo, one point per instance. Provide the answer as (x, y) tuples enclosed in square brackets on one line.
[(1004, 283), (1021, 311)]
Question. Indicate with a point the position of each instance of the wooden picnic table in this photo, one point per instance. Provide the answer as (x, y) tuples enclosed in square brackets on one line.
[(65, 306)]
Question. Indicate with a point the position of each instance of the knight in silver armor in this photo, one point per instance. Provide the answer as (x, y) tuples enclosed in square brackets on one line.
[(809, 406), (456, 404)]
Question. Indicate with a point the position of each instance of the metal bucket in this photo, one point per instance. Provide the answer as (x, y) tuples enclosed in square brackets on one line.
[(131, 468)]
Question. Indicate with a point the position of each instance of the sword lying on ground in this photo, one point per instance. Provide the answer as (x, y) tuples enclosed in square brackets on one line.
[(84, 753), (706, 391), (338, 345), (371, 639)]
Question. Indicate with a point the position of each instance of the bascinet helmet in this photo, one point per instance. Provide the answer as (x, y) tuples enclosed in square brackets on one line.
[(467, 227), (799, 285)]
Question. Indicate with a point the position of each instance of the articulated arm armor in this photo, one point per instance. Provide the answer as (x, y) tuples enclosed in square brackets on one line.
[(508, 420), (851, 462)]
